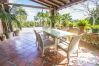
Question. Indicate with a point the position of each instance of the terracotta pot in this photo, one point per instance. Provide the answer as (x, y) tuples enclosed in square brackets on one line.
[(3, 37), (16, 33), (10, 34), (70, 27), (81, 29)]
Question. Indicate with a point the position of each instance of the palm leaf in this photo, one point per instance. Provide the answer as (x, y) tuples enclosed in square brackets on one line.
[(8, 18)]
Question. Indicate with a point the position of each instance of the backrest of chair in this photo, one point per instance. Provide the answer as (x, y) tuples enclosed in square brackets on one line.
[(35, 34), (73, 47), (40, 42)]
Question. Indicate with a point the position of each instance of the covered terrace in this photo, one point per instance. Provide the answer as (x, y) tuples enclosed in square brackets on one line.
[(22, 50)]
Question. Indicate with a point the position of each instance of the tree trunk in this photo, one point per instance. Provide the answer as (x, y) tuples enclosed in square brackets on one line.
[(10, 27), (93, 20), (4, 27)]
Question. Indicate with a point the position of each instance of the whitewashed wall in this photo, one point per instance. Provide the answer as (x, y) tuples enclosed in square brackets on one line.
[(1, 29)]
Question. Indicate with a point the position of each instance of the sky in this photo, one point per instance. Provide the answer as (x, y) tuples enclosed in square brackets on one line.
[(78, 11), (31, 12)]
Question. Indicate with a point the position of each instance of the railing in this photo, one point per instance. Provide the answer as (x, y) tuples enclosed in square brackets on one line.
[(92, 39)]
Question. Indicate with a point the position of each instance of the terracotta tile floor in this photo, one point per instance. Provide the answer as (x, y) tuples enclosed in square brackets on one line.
[(22, 51)]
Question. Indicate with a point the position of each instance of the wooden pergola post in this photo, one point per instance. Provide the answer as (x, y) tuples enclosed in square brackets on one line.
[(53, 14)]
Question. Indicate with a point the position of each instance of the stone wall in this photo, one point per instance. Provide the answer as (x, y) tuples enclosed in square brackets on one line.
[(92, 39)]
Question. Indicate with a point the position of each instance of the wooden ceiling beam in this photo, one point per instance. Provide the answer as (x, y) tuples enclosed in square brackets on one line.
[(56, 3), (62, 1), (71, 3), (26, 5), (50, 3), (39, 2), (3, 1), (72, 0), (59, 2)]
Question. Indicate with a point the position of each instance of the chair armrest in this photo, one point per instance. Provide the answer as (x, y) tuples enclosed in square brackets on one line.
[(64, 41)]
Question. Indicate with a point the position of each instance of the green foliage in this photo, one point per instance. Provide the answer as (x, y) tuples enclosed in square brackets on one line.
[(70, 24), (21, 14), (66, 17), (94, 19), (82, 23), (43, 18), (28, 24), (97, 21), (97, 64), (57, 19), (91, 21), (21, 11), (8, 19), (64, 23), (95, 26), (59, 26), (85, 23), (88, 27)]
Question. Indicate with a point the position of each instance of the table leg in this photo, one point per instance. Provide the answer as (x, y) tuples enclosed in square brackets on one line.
[(56, 42)]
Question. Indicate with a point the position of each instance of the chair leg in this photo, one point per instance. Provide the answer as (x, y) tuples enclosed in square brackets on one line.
[(43, 52), (77, 54), (37, 46), (36, 43), (67, 59)]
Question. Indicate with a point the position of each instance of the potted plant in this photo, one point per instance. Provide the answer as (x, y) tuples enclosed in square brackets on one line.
[(70, 25), (2, 37), (16, 32), (82, 24), (7, 19)]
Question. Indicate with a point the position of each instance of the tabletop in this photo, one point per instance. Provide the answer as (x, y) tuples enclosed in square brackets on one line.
[(58, 33)]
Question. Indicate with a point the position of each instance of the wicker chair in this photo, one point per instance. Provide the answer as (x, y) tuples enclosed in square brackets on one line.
[(44, 43), (72, 30), (36, 37), (44, 36), (70, 48)]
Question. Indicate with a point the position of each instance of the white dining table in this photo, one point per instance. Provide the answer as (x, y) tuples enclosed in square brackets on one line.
[(57, 34)]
